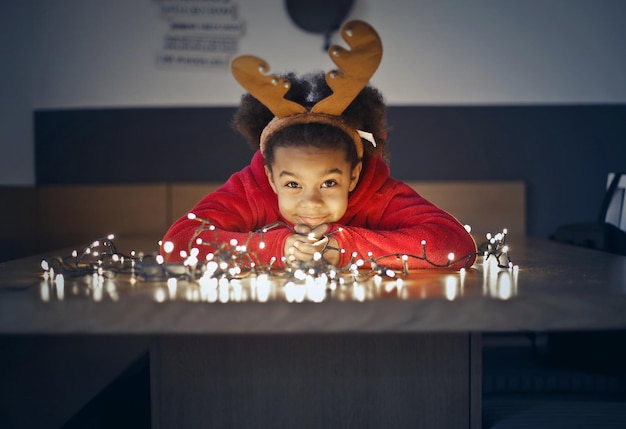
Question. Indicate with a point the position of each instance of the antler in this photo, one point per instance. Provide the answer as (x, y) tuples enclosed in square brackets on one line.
[(268, 89), (356, 65)]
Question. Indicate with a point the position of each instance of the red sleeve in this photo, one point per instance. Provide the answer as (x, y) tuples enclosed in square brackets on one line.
[(397, 220), (237, 210)]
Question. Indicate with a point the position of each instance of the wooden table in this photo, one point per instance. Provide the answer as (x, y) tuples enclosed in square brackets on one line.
[(368, 354)]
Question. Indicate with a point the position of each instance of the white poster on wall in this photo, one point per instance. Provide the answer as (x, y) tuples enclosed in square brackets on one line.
[(201, 34)]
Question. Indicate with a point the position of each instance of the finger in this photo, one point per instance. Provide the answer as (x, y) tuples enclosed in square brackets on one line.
[(298, 255), (304, 248), (311, 249), (320, 230), (302, 229), (320, 243)]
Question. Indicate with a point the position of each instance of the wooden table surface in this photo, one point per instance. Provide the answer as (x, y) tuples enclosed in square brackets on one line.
[(259, 346), (556, 287)]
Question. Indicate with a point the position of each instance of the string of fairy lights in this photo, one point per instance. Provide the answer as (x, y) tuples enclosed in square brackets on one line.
[(228, 261)]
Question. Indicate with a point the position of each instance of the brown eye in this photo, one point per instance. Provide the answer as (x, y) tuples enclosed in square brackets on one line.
[(329, 184)]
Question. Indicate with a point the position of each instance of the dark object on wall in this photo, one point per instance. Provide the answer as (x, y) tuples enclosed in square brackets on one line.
[(599, 235), (319, 16)]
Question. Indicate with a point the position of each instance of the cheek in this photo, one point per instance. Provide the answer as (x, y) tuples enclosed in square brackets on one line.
[(339, 204), (285, 200)]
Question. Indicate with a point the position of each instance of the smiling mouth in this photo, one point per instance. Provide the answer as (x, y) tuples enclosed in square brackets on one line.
[(312, 221)]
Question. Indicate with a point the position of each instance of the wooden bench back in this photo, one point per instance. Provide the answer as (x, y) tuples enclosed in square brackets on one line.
[(51, 217)]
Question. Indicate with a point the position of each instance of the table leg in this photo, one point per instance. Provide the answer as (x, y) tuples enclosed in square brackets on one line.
[(316, 381)]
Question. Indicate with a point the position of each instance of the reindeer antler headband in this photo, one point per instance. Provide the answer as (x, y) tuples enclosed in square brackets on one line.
[(356, 67)]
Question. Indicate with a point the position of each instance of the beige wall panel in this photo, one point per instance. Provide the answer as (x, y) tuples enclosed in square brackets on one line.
[(185, 196), (485, 206), (72, 214), (18, 221)]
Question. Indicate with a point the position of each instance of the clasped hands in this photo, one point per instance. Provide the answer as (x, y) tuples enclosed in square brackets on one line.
[(307, 241)]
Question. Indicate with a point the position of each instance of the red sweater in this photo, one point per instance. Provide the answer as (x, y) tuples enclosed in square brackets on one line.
[(384, 216)]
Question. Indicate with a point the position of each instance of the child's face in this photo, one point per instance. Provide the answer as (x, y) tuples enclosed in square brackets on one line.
[(312, 184)]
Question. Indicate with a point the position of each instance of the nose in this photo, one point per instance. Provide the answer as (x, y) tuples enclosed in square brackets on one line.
[(312, 197)]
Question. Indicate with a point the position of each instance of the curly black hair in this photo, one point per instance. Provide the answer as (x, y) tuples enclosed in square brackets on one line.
[(367, 111)]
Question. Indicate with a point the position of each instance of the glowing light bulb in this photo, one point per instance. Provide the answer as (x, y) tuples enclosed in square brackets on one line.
[(299, 274), (191, 216), (159, 295), (44, 291), (172, 284), (468, 228), (59, 282), (191, 261), (211, 267), (450, 289)]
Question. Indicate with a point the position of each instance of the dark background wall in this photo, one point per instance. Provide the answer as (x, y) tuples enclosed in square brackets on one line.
[(562, 152)]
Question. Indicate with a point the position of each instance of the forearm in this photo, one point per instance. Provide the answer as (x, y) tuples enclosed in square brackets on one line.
[(426, 246), (262, 247)]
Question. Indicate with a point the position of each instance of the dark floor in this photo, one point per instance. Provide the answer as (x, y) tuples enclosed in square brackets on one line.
[(553, 381), (556, 381), (125, 403)]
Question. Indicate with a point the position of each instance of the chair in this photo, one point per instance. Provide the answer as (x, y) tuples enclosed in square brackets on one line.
[(608, 233), (615, 200)]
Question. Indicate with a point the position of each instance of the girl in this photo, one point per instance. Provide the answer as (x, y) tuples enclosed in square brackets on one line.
[(320, 180)]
